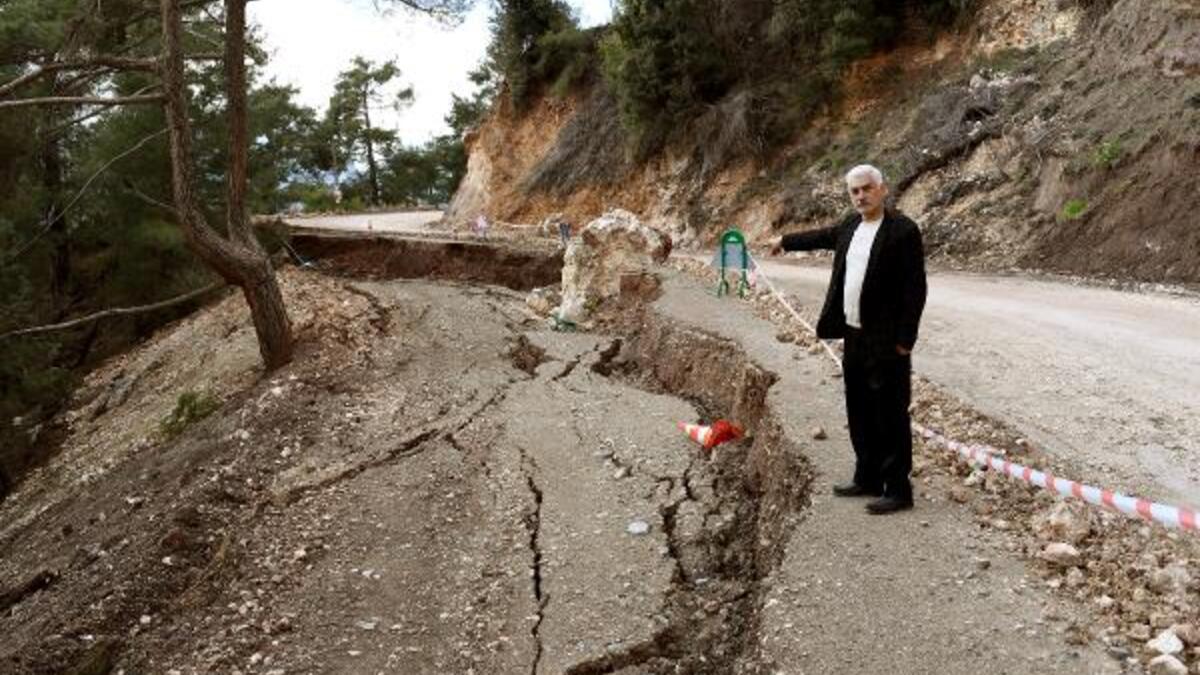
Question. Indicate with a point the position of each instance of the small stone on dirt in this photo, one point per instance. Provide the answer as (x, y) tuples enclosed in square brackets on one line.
[(1166, 643), (638, 528), (1061, 554), (1188, 633), (1167, 665), (818, 434), (1139, 632)]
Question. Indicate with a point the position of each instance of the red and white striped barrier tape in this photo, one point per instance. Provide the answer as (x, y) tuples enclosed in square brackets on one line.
[(987, 456), (1135, 507)]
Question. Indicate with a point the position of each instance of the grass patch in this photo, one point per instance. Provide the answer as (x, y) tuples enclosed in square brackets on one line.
[(190, 407), (1107, 154), (1074, 209)]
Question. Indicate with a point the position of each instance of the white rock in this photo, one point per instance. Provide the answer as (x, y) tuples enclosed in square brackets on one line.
[(609, 246), (1167, 665), (1061, 554), (1167, 642), (638, 528)]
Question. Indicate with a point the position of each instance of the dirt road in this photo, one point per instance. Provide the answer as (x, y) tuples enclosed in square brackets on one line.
[(1107, 380), (401, 222)]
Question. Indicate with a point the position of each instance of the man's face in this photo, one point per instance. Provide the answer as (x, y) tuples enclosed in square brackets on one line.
[(867, 196)]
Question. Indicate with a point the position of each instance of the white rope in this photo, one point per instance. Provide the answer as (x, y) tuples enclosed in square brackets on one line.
[(791, 310)]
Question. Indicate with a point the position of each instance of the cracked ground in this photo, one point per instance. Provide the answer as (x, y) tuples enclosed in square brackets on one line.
[(441, 484), (438, 484)]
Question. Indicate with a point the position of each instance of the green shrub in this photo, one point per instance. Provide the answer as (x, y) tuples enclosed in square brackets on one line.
[(1107, 154), (565, 58), (1074, 209), (191, 407), (516, 48), (663, 64)]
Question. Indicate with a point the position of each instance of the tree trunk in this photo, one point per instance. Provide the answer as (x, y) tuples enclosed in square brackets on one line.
[(372, 169), (239, 260)]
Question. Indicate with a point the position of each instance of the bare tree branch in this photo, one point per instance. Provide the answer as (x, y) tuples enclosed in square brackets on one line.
[(147, 199), (120, 311), (75, 121), (57, 217), (112, 62), (82, 100)]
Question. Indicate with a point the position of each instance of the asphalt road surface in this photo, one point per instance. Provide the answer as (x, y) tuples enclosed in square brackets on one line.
[(1108, 380)]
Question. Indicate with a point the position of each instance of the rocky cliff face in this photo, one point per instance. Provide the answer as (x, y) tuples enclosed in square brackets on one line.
[(1042, 136)]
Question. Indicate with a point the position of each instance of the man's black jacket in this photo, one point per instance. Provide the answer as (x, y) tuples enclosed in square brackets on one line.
[(893, 292)]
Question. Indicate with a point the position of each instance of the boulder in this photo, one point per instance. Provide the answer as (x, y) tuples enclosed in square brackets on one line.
[(614, 244)]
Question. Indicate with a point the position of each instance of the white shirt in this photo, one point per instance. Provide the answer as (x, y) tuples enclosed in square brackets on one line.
[(857, 258)]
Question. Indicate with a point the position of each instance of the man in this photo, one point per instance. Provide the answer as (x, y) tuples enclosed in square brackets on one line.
[(875, 299)]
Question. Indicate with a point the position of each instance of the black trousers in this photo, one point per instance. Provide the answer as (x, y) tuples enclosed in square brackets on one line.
[(878, 392)]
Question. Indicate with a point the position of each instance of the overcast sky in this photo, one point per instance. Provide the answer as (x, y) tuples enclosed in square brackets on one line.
[(311, 41)]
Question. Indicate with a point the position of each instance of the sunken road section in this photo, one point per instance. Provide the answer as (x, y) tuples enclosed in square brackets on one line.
[(518, 265)]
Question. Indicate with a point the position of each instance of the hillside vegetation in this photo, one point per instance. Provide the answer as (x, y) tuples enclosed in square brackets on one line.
[(1035, 134)]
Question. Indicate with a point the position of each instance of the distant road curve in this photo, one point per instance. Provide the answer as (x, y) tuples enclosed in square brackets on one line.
[(398, 222), (1107, 380)]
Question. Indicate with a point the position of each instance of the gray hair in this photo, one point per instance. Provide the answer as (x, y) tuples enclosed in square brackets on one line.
[(865, 171)]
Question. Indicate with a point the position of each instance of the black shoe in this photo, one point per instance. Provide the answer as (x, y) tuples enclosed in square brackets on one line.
[(885, 505), (855, 490)]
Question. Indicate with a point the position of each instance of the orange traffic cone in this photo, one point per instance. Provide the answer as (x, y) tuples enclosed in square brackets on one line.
[(710, 437), (696, 432)]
